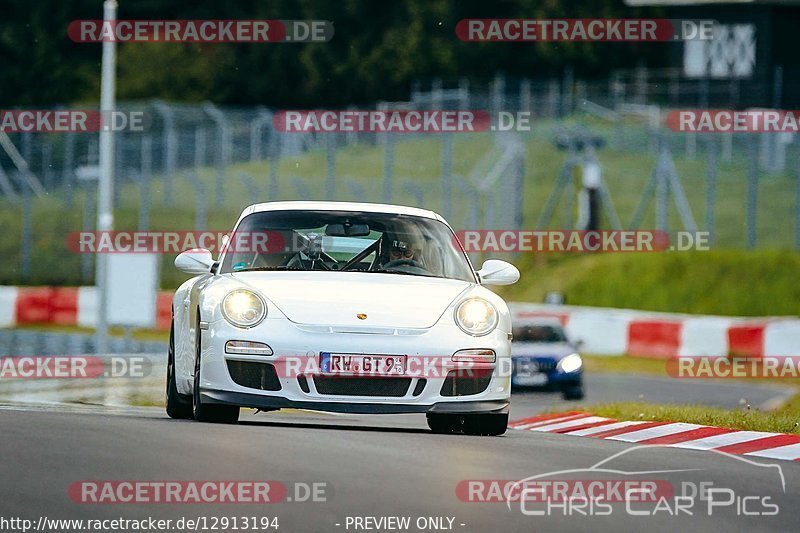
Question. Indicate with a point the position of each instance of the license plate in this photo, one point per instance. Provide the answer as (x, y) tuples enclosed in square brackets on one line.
[(362, 365), (527, 369), (536, 379)]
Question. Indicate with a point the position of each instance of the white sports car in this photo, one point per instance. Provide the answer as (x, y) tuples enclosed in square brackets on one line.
[(345, 307)]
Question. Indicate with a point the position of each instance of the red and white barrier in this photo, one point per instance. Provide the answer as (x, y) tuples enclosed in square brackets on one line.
[(625, 331), (674, 434), (64, 306), (87, 307), (8, 306)]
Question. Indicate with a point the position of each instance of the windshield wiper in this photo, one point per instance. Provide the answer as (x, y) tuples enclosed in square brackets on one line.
[(402, 273), (263, 268)]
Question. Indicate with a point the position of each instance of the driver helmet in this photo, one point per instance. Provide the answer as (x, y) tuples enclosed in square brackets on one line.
[(404, 248)]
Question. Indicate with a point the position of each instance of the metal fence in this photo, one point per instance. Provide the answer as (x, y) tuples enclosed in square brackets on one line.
[(197, 164)]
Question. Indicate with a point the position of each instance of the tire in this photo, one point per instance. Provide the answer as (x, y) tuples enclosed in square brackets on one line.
[(491, 424), (179, 405), (574, 392), (214, 413)]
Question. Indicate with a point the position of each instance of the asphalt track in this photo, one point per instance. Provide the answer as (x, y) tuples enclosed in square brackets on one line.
[(604, 388), (379, 466)]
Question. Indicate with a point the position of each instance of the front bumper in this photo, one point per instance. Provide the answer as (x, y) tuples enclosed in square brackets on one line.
[(423, 393), (267, 402)]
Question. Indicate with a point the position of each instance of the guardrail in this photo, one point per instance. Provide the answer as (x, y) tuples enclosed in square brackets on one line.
[(610, 331)]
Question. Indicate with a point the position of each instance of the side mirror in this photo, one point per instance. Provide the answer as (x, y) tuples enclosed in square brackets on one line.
[(198, 261), (496, 272)]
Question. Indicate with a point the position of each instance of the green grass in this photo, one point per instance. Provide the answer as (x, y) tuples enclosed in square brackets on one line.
[(723, 282), (114, 331), (791, 407), (598, 364), (784, 420)]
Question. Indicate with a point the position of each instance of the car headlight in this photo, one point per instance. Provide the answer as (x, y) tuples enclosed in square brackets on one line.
[(570, 363), (476, 316), (243, 308)]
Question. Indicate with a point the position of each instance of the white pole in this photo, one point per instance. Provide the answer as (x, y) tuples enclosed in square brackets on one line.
[(105, 188)]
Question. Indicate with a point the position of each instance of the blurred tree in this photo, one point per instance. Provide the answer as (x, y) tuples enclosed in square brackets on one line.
[(378, 50), (171, 71), (38, 63)]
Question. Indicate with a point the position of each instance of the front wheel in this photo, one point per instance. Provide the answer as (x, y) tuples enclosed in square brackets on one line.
[(574, 392), (215, 413), (178, 405)]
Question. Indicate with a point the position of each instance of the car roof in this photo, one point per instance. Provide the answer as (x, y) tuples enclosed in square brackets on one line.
[(341, 206)]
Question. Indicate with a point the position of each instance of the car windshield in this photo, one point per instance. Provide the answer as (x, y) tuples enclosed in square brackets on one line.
[(354, 241), (535, 333)]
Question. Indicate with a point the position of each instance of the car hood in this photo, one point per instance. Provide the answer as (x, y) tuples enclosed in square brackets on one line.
[(556, 350), (336, 298)]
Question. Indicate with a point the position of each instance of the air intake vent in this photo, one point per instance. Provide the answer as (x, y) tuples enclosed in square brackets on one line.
[(465, 382), (345, 386), (303, 382), (260, 376)]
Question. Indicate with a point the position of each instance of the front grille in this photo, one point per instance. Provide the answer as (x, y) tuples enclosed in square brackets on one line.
[(466, 382), (347, 386), (254, 375), (546, 365)]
